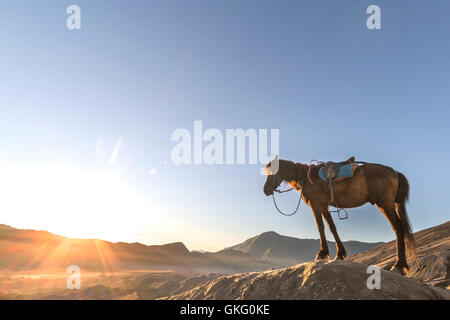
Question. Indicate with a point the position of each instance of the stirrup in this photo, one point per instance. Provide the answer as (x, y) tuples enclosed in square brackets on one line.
[(338, 211)]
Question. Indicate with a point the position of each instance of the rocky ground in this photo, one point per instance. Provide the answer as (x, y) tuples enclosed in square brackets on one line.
[(433, 247), (333, 280), (428, 278)]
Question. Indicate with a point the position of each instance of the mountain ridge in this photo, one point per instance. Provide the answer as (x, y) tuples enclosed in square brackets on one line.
[(287, 250), (27, 249)]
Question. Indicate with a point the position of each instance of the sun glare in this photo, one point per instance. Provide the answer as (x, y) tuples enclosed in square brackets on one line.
[(94, 204), (71, 201)]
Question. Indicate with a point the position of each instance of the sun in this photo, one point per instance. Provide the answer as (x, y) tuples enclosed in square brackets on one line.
[(71, 201)]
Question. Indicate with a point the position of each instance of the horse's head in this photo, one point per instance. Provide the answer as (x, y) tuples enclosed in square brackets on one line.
[(273, 178)]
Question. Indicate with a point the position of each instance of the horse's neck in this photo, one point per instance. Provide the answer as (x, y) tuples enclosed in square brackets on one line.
[(300, 172), (303, 169)]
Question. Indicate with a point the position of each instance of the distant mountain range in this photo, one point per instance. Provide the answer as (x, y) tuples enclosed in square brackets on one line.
[(287, 251), (25, 250)]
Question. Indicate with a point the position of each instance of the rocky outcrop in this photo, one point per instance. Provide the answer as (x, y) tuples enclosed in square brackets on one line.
[(333, 280)]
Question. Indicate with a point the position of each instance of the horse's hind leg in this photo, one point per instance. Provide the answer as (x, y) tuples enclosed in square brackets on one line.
[(400, 263), (340, 249)]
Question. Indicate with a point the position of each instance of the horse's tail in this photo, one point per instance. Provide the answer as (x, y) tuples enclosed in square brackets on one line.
[(400, 200)]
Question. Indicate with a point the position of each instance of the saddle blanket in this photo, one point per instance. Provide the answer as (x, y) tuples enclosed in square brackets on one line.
[(345, 171)]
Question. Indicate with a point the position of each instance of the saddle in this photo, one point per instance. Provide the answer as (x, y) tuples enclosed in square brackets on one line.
[(331, 171)]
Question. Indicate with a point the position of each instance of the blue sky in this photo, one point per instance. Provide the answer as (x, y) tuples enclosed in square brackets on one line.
[(138, 70)]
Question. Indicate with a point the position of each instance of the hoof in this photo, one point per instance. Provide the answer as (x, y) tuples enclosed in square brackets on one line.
[(398, 268), (339, 258), (322, 256), (340, 255)]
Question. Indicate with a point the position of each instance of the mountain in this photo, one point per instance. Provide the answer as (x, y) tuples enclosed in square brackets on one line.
[(23, 250), (28, 250), (287, 251)]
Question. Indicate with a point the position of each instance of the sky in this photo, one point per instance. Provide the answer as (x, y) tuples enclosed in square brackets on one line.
[(86, 116)]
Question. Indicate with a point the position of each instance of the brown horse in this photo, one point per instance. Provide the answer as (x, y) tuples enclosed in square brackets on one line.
[(374, 183)]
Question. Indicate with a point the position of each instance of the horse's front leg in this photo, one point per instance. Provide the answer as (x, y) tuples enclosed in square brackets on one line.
[(323, 252)]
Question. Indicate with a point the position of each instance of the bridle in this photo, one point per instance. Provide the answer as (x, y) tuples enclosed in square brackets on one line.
[(298, 204), (308, 178), (287, 190)]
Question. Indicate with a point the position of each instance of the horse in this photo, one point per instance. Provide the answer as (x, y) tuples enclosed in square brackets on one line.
[(372, 183)]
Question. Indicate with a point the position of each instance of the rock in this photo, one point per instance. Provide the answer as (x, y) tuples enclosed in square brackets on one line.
[(433, 269), (98, 292), (156, 289)]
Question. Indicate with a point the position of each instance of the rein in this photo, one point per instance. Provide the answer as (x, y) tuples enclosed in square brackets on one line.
[(298, 204), (287, 190), (309, 169)]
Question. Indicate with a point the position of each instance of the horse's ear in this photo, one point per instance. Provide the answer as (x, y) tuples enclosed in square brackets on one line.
[(271, 168), (274, 165)]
